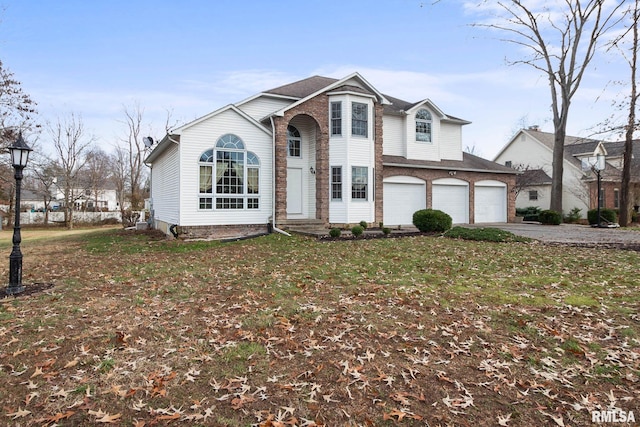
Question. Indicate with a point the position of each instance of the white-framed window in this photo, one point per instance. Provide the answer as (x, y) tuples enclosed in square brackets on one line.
[(294, 142), (336, 118), (616, 198), (359, 119), (336, 183), (533, 195), (359, 183), (229, 176), (508, 163), (423, 125)]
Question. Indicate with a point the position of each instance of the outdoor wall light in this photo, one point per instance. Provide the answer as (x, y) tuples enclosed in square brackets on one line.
[(312, 170)]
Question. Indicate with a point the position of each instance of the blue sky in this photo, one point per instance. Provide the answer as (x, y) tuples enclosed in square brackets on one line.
[(192, 57)]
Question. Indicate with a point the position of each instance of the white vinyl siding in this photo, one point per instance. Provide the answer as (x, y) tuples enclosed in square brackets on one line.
[(348, 151), (204, 135), (261, 107), (417, 150), (393, 131), (450, 141), (165, 190)]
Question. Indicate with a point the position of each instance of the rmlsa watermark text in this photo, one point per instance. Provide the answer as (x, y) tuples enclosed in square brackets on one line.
[(613, 417)]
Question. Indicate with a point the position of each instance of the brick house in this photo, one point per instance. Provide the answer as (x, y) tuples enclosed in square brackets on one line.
[(323, 150)]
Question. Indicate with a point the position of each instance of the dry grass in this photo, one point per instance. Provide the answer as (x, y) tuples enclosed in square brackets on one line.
[(281, 331)]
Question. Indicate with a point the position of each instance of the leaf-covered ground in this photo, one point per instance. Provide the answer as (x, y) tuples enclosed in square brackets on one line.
[(280, 331)]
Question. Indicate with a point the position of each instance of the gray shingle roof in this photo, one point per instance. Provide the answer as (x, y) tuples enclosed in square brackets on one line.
[(469, 162), (534, 177), (303, 88)]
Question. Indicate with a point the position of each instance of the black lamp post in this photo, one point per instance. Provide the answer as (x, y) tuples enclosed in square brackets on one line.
[(19, 157)]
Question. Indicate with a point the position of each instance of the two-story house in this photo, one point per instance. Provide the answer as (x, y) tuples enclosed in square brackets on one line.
[(333, 151), (532, 150)]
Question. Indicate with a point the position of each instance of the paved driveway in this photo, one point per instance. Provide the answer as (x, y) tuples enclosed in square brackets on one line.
[(573, 234)]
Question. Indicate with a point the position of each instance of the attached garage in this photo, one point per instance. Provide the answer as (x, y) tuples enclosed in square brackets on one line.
[(403, 195), (490, 201), (451, 196)]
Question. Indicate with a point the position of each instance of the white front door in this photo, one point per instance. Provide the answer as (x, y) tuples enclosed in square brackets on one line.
[(294, 191)]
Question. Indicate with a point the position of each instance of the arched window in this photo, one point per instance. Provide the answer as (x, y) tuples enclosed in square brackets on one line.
[(423, 126), (235, 172), (294, 142)]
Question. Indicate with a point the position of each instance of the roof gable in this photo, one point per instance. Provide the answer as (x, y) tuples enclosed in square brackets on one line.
[(320, 85)]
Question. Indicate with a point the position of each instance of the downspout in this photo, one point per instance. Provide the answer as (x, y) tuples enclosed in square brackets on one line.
[(273, 180)]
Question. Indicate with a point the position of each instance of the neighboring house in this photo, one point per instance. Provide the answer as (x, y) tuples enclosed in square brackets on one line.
[(87, 199), (531, 150), (329, 151)]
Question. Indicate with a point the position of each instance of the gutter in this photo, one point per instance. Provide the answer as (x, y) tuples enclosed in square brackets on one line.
[(273, 179), (404, 165)]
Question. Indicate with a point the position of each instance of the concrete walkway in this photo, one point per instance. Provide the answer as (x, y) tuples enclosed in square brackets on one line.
[(572, 234)]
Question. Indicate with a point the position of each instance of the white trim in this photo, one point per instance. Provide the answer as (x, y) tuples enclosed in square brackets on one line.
[(402, 179), (232, 107), (338, 83)]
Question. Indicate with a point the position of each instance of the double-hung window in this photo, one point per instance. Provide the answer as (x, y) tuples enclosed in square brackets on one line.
[(229, 176), (359, 119), (336, 118), (423, 126), (359, 183), (336, 183)]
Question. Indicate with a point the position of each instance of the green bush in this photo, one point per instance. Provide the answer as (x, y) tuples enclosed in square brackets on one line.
[(529, 213), (357, 230), (550, 217), (364, 224), (432, 220), (574, 215), (386, 231), (335, 232), (607, 215), (484, 234)]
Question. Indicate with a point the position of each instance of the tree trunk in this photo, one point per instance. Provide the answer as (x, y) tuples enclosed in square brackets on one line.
[(625, 190)]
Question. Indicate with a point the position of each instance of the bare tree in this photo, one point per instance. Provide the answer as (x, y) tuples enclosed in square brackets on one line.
[(96, 174), (17, 109), (42, 182), (120, 176), (135, 151), (561, 42), (71, 144)]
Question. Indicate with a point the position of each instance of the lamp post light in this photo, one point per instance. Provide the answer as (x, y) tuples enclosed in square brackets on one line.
[(19, 157)]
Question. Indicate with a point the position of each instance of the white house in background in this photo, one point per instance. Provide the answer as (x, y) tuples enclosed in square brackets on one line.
[(532, 149), (328, 151)]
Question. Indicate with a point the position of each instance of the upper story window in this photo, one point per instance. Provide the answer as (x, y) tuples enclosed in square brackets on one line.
[(294, 142), (336, 118), (235, 172), (423, 126), (359, 119)]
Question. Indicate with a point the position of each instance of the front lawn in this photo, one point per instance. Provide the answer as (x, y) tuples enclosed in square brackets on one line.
[(280, 331)]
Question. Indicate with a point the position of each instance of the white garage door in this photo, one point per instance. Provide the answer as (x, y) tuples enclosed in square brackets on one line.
[(451, 196), (402, 199), (490, 202)]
